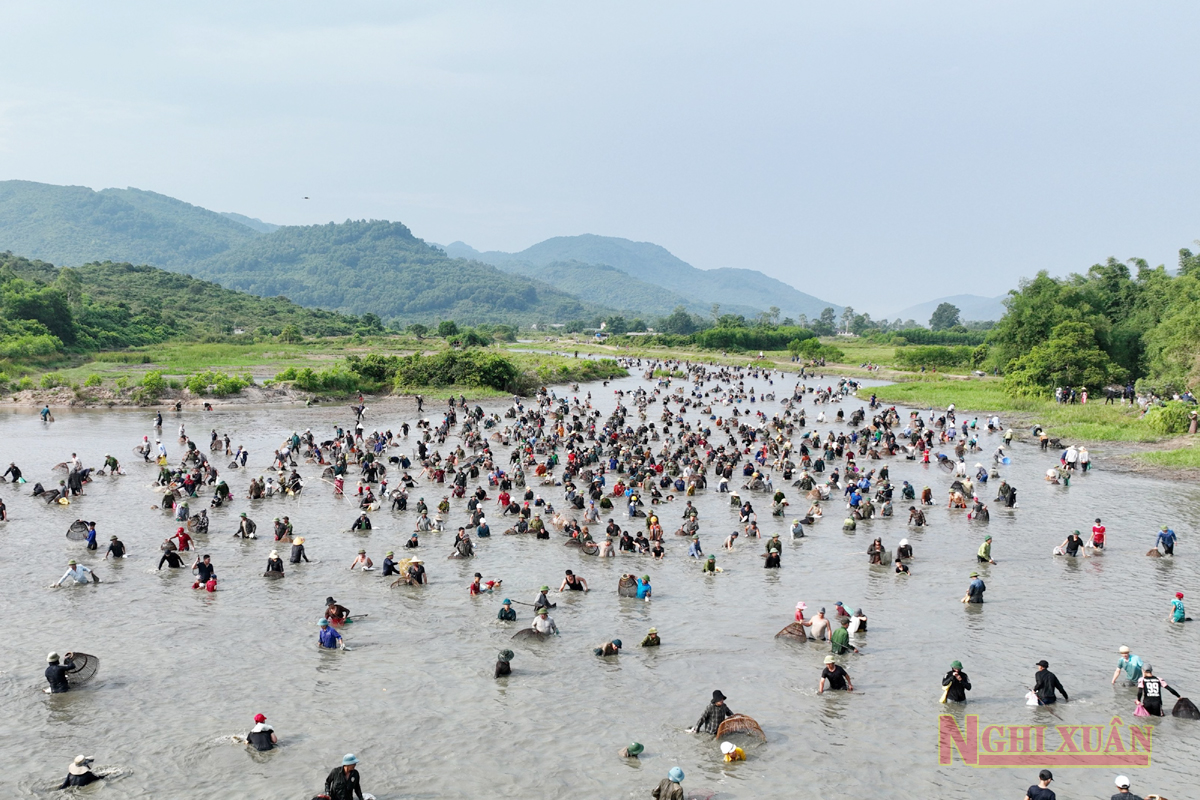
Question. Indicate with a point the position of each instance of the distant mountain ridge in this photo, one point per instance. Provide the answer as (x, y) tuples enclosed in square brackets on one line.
[(743, 291), (971, 307), (72, 225), (379, 267)]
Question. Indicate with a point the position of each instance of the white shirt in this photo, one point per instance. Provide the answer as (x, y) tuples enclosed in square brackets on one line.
[(79, 573)]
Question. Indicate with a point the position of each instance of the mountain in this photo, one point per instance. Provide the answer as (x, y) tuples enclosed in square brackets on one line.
[(74, 225), (112, 306), (971, 307), (253, 223), (741, 291), (380, 267)]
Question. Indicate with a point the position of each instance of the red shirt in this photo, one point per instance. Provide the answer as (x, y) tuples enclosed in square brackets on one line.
[(1098, 534), (475, 588)]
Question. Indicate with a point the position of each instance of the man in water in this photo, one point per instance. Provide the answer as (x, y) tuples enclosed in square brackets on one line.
[(542, 623), (1045, 684), (573, 582), (363, 523), (837, 677), (819, 624), (335, 613), (56, 673), (79, 773), (204, 569), (1041, 791), (328, 638), (343, 781), (1177, 612), (542, 600), (669, 788), (839, 639), (1149, 692), (262, 736), (975, 590), (507, 614), (714, 714), (390, 567), (957, 683), (171, 559), (651, 639), (78, 573), (363, 561), (984, 555), (1166, 537), (609, 648), (1130, 666), (116, 548)]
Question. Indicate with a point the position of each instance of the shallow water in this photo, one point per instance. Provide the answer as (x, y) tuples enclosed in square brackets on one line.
[(415, 698)]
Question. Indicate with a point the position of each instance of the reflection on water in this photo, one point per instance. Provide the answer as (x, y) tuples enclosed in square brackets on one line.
[(415, 698)]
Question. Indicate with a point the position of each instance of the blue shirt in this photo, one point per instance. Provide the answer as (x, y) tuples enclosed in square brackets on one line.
[(329, 637), (1131, 666), (643, 589), (1167, 537)]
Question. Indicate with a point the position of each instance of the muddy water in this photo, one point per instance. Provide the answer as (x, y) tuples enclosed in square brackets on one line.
[(415, 698)]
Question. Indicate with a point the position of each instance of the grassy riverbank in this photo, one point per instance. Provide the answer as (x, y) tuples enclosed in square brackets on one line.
[(1094, 421)]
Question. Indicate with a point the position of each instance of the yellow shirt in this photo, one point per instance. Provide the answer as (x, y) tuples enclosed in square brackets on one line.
[(738, 754)]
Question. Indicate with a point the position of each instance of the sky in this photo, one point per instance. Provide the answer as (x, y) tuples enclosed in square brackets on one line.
[(873, 154)]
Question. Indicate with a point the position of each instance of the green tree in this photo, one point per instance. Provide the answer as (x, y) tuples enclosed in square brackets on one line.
[(945, 316), (418, 330), (291, 334), (447, 328), (616, 326), (680, 322), (825, 324), (1070, 357)]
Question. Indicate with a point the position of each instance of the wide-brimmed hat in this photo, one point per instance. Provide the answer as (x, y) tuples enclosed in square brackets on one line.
[(80, 765), (415, 561), (728, 747), (653, 630), (830, 659), (505, 655), (1123, 649), (274, 554), (52, 658), (545, 589), (349, 760), (634, 748), (298, 540)]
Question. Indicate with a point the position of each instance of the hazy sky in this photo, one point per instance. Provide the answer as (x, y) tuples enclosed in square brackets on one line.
[(876, 154)]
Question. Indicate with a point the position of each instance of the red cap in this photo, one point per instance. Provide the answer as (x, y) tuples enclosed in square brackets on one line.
[(179, 531), (1179, 595), (259, 718)]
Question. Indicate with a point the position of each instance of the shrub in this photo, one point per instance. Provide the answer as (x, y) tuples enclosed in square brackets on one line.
[(1170, 418), (50, 380), (25, 384), (93, 380), (121, 382)]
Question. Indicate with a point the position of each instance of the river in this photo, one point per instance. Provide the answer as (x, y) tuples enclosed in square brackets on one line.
[(415, 699)]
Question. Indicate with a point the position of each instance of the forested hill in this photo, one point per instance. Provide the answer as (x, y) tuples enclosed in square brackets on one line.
[(380, 267), (74, 225), (736, 290), (47, 310)]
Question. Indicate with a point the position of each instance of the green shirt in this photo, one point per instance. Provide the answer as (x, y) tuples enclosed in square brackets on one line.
[(985, 550), (839, 640)]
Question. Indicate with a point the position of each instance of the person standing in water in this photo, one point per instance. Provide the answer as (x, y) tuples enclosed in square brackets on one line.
[(1045, 685), (1166, 537), (1130, 666), (343, 782), (80, 773), (1177, 612), (714, 714), (1149, 692), (262, 736), (56, 673), (975, 590), (957, 683), (328, 638)]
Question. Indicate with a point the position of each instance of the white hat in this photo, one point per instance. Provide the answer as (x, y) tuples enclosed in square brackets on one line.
[(80, 765), (274, 554), (415, 561), (904, 541), (728, 747), (1122, 782)]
